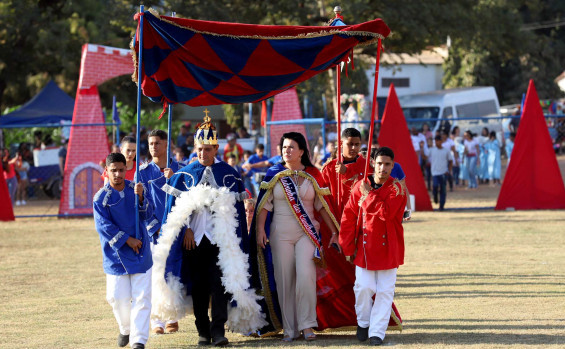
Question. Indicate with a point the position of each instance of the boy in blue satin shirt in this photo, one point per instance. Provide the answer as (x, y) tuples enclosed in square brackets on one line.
[(126, 255)]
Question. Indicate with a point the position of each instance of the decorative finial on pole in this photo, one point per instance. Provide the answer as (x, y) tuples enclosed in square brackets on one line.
[(338, 19)]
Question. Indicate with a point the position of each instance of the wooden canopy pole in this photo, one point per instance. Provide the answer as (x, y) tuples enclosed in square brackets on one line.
[(373, 117)]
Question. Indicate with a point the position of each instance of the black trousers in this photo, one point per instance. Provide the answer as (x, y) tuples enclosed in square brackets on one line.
[(201, 266)]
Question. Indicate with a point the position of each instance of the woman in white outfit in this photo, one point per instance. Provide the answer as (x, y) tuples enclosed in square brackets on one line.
[(293, 234)]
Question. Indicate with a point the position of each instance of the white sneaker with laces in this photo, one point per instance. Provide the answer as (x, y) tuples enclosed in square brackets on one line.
[(18, 203)]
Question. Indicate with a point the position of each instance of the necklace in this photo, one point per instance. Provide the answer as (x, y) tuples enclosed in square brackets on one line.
[(295, 177)]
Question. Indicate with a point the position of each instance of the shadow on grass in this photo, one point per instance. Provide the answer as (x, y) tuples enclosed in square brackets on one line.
[(412, 321), (411, 281), (474, 338), (486, 327), (451, 276), (465, 336), (479, 294), (401, 285)]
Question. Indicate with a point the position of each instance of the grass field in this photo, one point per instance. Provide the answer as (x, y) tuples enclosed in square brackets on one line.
[(472, 279)]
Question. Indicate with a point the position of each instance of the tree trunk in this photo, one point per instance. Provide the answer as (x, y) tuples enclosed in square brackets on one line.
[(2, 89)]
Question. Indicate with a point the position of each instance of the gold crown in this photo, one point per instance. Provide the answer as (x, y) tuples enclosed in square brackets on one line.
[(206, 132)]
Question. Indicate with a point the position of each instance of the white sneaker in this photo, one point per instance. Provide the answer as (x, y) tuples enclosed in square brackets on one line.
[(24, 202), (18, 203)]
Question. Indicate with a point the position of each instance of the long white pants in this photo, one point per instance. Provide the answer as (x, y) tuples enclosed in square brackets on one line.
[(130, 298), (374, 315)]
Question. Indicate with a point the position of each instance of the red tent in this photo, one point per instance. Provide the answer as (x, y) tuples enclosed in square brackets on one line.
[(533, 180), (395, 135), (6, 211)]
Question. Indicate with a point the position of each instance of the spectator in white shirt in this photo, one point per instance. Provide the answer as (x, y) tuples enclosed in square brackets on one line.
[(441, 162), (419, 141), (448, 143)]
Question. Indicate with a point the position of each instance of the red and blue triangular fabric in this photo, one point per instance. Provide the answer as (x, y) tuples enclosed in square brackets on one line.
[(207, 63)]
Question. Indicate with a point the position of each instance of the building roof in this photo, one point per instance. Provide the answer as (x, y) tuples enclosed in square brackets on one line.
[(435, 55)]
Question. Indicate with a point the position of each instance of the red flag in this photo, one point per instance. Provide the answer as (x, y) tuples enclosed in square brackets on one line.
[(395, 135), (263, 113), (533, 180)]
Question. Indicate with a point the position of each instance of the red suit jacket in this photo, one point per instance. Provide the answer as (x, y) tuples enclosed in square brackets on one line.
[(353, 174), (379, 237)]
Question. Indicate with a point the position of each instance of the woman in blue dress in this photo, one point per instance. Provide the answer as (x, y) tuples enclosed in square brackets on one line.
[(482, 171), (471, 158), (463, 173), (493, 158), (509, 146)]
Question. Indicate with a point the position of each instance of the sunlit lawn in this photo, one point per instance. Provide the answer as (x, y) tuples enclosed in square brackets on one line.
[(472, 279)]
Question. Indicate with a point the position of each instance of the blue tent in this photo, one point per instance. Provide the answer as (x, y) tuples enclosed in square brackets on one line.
[(50, 106)]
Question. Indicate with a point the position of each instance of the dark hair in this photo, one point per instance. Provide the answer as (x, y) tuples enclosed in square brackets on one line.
[(127, 139), (350, 132), (5, 158), (260, 147), (470, 133), (298, 138), (158, 133), (445, 132), (22, 147), (384, 151), (492, 134), (437, 138), (232, 156), (454, 130), (247, 152), (115, 157), (512, 134), (47, 140), (185, 150)]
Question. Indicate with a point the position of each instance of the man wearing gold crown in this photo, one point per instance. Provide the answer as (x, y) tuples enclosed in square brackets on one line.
[(203, 248)]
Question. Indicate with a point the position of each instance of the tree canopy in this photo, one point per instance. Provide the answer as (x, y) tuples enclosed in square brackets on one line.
[(492, 41)]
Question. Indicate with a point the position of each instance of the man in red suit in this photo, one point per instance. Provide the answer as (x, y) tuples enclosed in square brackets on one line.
[(375, 243), (350, 171)]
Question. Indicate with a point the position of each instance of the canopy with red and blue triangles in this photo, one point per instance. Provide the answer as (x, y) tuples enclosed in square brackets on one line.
[(208, 63)]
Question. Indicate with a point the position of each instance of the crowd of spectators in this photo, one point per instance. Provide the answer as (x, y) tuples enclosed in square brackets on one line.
[(17, 160), (476, 158)]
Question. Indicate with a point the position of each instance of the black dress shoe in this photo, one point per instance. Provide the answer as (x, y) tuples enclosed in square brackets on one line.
[(123, 340), (138, 346), (204, 340), (362, 333), (220, 341), (375, 341)]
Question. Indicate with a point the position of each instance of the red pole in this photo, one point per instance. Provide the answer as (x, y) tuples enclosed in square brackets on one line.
[(372, 125), (339, 155)]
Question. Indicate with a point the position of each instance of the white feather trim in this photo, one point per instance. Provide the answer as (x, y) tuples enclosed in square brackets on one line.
[(169, 300)]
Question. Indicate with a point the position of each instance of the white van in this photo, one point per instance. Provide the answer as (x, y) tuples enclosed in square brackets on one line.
[(442, 109)]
